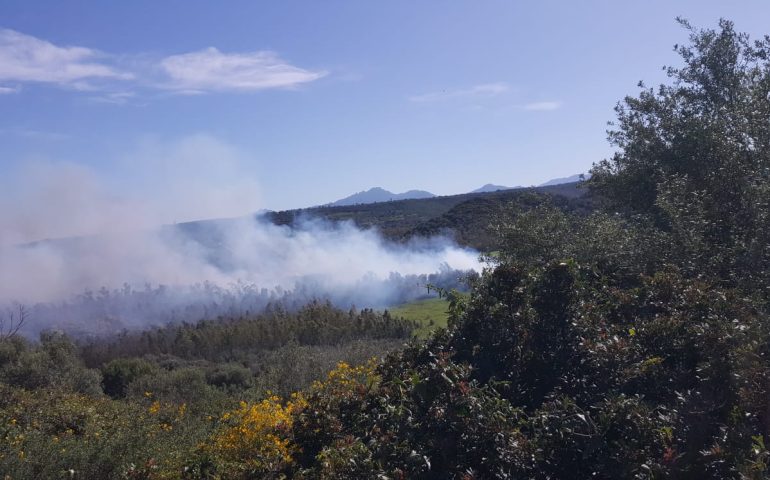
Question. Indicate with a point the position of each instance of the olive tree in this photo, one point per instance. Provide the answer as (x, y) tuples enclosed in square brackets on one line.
[(694, 154)]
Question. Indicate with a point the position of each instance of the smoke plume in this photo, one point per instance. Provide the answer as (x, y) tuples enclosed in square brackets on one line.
[(87, 251)]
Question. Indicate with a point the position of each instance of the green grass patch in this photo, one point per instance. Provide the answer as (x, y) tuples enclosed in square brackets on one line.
[(430, 313)]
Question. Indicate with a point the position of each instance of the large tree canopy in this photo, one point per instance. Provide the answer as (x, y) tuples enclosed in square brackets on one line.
[(710, 125), (695, 153)]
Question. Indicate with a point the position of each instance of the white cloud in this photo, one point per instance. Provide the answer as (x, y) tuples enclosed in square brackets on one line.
[(24, 58), (212, 70), (542, 106), (27, 59), (476, 91)]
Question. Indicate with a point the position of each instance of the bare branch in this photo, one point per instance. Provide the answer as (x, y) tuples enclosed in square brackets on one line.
[(13, 320)]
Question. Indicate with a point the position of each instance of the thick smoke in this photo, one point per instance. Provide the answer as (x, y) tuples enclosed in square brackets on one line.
[(91, 260)]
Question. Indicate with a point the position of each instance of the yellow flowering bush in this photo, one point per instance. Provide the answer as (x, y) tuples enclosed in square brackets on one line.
[(256, 437), (346, 380), (334, 403), (260, 439)]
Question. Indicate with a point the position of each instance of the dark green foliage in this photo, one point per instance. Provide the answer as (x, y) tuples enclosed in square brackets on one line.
[(229, 339), (230, 377), (279, 351), (708, 127), (561, 372), (293, 368), (473, 222), (617, 245), (118, 374), (693, 155), (420, 421), (613, 345), (54, 363), (183, 385)]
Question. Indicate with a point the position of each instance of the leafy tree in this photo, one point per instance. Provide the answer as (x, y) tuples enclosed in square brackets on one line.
[(708, 126), (695, 154)]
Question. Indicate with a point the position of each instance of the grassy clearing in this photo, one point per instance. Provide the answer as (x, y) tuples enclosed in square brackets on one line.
[(430, 313)]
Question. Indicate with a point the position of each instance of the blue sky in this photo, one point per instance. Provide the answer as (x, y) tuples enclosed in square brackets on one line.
[(300, 103)]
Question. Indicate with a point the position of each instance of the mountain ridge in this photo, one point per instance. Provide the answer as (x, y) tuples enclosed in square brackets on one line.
[(379, 194), (490, 187), (571, 179)]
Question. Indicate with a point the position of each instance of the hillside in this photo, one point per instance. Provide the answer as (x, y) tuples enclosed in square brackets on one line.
[(467, 217)]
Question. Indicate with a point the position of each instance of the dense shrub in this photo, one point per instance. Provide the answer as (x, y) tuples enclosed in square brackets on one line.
[(53, 363), (118, 374)]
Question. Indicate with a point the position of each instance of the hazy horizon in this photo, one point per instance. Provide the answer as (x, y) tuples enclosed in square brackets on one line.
[(202, 112)]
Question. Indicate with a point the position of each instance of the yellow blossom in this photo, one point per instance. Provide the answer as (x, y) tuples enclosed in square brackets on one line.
[(258, 433)]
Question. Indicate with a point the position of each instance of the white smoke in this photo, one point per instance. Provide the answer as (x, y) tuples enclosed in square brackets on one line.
[(109, 237), (159, 182)]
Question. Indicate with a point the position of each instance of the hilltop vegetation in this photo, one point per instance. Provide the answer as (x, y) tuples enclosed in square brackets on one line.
[(468, 218), (625, 341)]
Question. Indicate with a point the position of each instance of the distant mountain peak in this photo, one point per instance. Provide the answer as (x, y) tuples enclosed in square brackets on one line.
[(489, 187), (570, 179), (379, 194)]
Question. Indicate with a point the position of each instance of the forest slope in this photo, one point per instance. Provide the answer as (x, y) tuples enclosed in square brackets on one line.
[(466, 217)]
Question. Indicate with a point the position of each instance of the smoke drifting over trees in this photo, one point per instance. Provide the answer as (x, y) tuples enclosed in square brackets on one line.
[(142, 273)]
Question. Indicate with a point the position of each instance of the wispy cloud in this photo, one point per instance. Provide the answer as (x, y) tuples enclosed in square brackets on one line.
[(24, 58), (212, 70), (114, 98), (476, 91), (34, 134), (118, 80), (542, 106)]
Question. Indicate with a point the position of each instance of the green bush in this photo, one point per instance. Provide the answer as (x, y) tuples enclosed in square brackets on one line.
[(118, 374)]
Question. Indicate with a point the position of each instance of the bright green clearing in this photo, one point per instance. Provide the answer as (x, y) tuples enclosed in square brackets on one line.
[(430, 313)]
